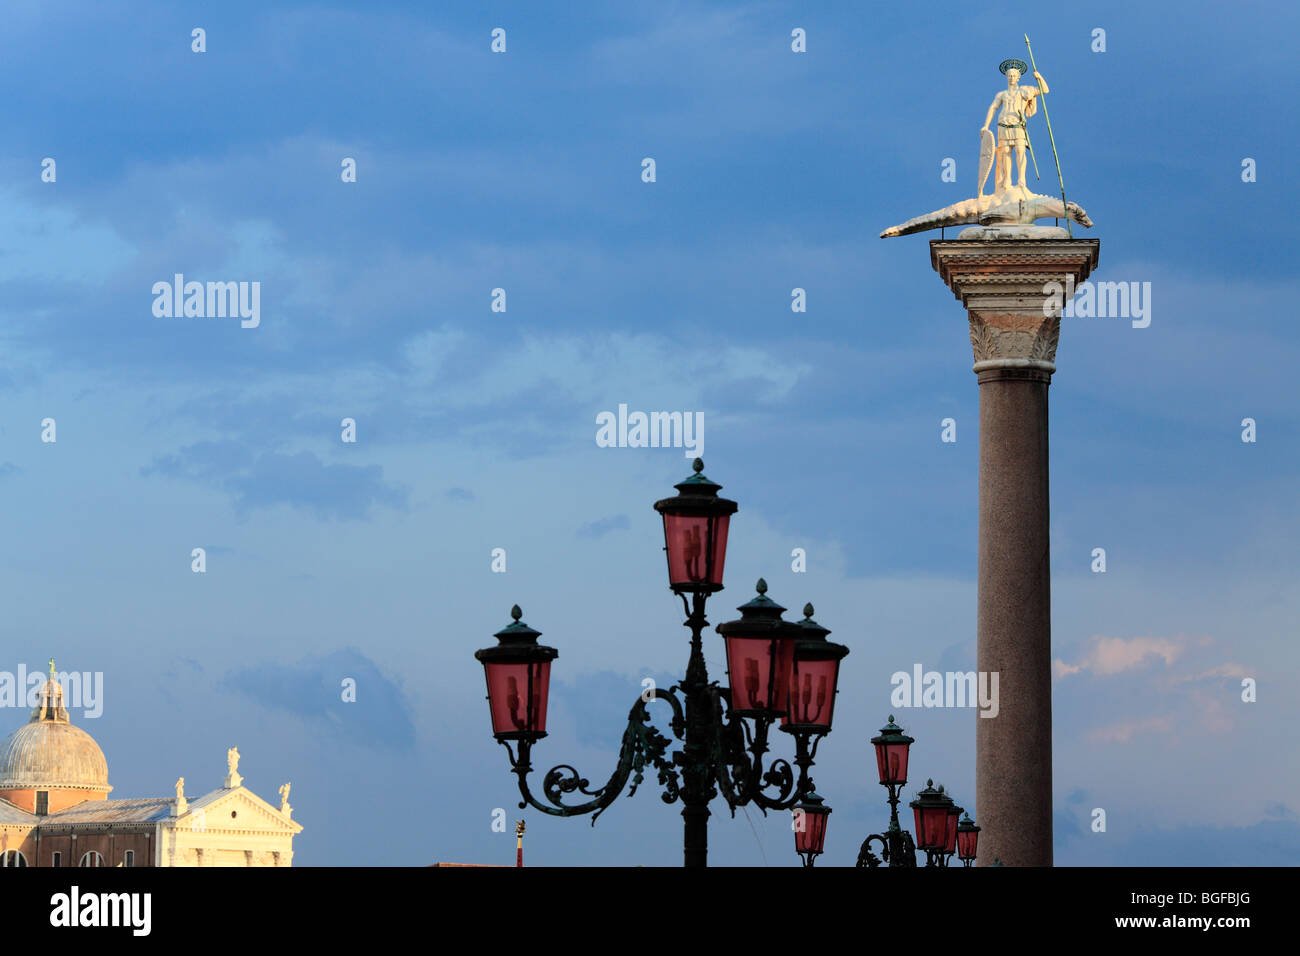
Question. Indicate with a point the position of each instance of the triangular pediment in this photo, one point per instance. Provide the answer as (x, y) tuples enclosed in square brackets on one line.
[(212, 811)]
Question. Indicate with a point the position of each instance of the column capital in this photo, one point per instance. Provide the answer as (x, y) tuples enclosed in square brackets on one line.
[(1005, 286)]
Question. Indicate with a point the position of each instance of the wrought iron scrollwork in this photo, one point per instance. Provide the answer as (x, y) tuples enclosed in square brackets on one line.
[(643, 745), (720, 754), (896, 849), (737, 760)]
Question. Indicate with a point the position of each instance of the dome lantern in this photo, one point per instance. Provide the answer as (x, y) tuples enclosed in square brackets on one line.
[(49, 755)]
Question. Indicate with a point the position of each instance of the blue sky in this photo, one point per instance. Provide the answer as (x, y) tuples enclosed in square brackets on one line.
[(476, 429)]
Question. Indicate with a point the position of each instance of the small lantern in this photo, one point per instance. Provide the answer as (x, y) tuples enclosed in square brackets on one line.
[(930, 810), (815, 677), (968, 835), (810, 827), (891, 754), (695, 533), (760, 657), (518, 672)]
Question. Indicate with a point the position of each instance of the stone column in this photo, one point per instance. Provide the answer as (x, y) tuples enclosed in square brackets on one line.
[(1013, 332)]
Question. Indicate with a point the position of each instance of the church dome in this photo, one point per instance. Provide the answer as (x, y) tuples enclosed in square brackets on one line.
[(48, 753)]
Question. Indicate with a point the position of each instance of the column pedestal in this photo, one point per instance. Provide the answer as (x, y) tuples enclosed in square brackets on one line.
[(1015, 325)]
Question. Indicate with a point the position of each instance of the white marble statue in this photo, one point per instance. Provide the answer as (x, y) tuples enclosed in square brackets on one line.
[(1011, 208), (1017, 103)]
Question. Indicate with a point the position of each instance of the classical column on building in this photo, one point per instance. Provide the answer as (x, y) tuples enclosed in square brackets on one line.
[(1006, 287)]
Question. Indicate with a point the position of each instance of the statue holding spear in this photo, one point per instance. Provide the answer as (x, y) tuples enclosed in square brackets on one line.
[(1012, 208)]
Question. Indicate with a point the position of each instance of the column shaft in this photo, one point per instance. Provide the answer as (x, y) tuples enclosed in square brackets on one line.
[(1013, 782), (1011, 289)]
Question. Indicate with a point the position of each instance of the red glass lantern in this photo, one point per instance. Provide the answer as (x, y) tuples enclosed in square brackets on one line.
[(814, 678), (518, 672), (695, 533), (968, 835), (930, 810), (760, 657), (810, 827), (891, 753)]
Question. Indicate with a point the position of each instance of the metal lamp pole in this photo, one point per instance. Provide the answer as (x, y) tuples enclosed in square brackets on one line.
[(780, 671)]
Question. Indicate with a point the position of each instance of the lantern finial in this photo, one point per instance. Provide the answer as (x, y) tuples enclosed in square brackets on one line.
[(761, 586), (516, 613), (698, 465)]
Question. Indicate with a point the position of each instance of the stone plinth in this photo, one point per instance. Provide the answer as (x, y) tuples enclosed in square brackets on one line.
[(1014, 333)]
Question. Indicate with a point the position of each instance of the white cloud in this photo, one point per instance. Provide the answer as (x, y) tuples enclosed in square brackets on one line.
[(1108, 656)]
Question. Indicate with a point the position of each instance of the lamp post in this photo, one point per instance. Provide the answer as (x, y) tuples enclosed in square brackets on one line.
[(938, 832), (810, 827), (779, 670), (933, 809)]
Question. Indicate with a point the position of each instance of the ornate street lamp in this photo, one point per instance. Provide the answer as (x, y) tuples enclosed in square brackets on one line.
[(518, 674), (816, 677), (814, 682), (936, 824), (892, 748), (968, 835), (896, 848), (931, 808), (760, 657), (810, 827), (695, 533), (723, 730), (938, 831)]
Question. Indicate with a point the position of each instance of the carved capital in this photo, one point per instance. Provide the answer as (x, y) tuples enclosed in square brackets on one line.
[(1014, 339), (1006, 287)]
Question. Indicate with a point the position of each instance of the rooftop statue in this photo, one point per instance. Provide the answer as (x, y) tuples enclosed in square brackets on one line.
[(1008, 205)]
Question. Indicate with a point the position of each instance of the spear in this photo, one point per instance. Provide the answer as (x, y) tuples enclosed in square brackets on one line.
[(1030, 143), (1034, 67)]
